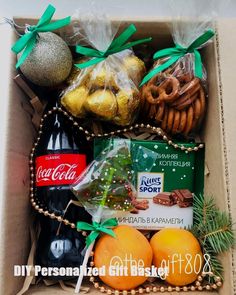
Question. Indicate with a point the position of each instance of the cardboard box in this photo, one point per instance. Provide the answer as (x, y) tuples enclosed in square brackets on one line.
[(159, 167), (17, 137)]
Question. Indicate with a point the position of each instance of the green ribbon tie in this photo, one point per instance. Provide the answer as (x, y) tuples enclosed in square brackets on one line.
[(97, 228), (29, 39), (117, 45), (175, 53)]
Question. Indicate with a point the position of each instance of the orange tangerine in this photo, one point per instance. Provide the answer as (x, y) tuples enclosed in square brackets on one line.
[(179, 251), (128, 248)]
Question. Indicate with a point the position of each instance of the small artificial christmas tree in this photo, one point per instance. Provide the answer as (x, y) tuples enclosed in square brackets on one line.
[(108, 180)]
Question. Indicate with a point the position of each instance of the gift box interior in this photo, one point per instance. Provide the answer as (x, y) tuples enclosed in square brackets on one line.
[(17, 210)]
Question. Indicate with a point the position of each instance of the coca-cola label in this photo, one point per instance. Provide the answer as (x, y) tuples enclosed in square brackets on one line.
[(59, 169)]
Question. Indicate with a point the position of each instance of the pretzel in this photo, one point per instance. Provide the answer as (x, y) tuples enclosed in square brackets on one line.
[(151, 93), (164, 121), (184, 101), (166, 91), (185, 78), (170, 119), (160, 112), (156, 80), (144, 105), (187, 93), (189, 122), (203, 107), (190, 88), (152, 111), (183, 120), (197, 112), (176, 122), (142, 99), (165, 94), (175, 100), (202, 100)]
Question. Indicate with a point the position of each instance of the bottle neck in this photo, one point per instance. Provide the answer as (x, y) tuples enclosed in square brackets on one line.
[(53, 101)]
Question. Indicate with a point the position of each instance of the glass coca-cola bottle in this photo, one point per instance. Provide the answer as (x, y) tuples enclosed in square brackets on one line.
[(61, 155)]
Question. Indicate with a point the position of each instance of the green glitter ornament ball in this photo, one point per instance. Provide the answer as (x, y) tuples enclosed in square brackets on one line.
[(50, 61)]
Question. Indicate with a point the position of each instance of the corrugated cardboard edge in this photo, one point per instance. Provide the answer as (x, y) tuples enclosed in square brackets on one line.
[(6, 35), (227, 80)]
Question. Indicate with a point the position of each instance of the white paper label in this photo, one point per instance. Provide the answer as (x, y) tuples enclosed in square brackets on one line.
[(149, 184)]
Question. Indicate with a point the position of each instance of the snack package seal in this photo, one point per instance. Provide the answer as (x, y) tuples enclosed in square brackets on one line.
[(174, 92), (104, 82)]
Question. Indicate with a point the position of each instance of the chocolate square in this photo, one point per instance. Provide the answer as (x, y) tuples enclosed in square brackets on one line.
[(185, 205), (183, 196), (164, 198)]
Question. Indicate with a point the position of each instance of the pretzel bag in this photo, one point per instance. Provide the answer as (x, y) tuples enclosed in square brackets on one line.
[(174, 92), (104, 83)]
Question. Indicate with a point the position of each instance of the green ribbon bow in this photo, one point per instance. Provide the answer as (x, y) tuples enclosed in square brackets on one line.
[(117, 45), (97, 228), (29, 39), (175, 53)]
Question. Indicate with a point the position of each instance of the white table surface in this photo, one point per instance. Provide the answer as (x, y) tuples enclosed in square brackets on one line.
[(124, 8)]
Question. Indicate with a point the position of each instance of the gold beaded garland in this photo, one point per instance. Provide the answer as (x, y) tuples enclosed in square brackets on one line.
[(198, 286), (199, 278), (59, 218), (37, 206), (66, 221), (211, 274), (154, 129), (148, 289), (162, 289), (218, 279), (197, 283), (102, 289), (219, 284), (154, 289), (52, 215), (158, 131), (46, 213)]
